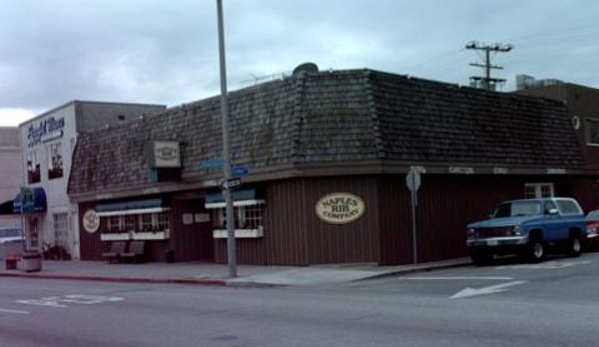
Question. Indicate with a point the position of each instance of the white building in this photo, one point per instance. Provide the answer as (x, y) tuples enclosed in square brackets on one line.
[(47, 145), (10, 175)]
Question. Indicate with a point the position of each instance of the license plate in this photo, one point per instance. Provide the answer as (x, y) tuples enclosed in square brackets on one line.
[(492, 243)]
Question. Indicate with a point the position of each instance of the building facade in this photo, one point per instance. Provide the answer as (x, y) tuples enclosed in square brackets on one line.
[(47, 144), (10, 176), (327, 155)]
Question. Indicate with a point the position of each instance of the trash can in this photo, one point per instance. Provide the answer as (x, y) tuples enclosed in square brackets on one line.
[(170, 256), (11, 262), (31, 261)]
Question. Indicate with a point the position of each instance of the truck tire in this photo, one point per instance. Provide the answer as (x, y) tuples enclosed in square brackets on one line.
[(535, 250), (481, 257), (574, 245)]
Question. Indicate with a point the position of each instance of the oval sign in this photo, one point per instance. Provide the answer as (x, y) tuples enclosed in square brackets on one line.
[(91, 221), (340, 208)]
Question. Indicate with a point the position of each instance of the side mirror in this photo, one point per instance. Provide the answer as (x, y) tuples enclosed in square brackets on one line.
[(552, 211)]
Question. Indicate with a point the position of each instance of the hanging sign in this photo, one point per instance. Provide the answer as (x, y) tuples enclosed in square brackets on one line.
[(340, 208)]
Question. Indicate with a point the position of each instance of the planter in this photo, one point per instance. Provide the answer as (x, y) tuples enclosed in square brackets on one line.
[(115, 237), (150, 235)]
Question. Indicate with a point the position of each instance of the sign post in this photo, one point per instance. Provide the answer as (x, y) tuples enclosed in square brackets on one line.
[(230, 221), (413, 183)]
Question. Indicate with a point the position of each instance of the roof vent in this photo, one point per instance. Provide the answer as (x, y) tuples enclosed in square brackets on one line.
[(306, 68)]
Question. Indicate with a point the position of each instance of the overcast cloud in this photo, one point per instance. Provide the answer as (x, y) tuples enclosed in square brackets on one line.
[(165, 52)]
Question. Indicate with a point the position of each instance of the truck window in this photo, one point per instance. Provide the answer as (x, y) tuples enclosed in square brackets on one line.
[(568, 207), (525, 208)]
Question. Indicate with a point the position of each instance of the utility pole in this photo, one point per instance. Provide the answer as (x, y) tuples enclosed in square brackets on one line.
[(229, 210), (487, 82)]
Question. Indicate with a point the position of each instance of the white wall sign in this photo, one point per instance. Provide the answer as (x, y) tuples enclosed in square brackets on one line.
[(340, 208), (187, 218), (91, 221), (165, 154)]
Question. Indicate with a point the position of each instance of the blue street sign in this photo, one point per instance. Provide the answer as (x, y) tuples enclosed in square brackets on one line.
[(212, 164), (238, 171)]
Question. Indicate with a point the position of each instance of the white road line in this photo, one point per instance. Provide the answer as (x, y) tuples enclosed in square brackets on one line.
[(14, 311), (459, 278), (548, 265)]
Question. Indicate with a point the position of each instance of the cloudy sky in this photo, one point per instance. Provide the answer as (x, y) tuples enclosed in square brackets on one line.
[(166, 51)]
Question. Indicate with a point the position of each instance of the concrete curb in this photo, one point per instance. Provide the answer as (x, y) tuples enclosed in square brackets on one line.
[(405, 270), (191, 281)]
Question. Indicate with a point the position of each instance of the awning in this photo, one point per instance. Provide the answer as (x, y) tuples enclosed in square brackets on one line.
[(242, 197), (132, 207), (34, 201)]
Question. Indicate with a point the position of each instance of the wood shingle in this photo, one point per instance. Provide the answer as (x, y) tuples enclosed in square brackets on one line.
[(336, 117)]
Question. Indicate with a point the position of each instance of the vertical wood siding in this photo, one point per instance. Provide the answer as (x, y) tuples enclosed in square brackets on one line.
[(295, 235), (91, 247), (193, 241)]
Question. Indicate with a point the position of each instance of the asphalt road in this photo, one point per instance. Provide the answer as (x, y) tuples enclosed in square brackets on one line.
[(555, 303)]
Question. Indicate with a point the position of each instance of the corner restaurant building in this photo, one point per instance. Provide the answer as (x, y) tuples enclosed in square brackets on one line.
[(327, 155)]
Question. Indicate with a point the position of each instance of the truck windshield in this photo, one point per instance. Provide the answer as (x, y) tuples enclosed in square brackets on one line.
[(513, 209)]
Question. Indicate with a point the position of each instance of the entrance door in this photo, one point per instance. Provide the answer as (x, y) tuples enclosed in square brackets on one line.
[(193, 231)]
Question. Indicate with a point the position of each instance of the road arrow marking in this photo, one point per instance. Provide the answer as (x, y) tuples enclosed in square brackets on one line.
[(498, 288)]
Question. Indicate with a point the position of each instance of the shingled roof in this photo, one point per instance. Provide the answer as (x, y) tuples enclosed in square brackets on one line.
[(347, 117)]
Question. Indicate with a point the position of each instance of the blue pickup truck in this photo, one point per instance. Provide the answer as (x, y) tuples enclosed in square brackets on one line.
[(528, 228)]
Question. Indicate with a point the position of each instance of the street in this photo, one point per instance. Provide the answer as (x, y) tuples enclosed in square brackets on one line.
[(554, 303)]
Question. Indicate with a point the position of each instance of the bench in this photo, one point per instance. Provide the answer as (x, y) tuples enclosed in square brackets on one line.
[(116, 249), (135, 251)]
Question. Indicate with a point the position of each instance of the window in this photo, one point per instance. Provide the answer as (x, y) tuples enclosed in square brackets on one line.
[(33, 167), (146, 222), (55, 166), (130, 222), (246, 217), (549, 205), (137, 222), (61, 229), (163, 221), (250, 217), (538, 190), (524, 208), (114, 223), (592, 131), (568, 207)]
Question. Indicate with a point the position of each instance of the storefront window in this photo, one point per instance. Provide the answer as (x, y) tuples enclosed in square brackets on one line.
[(130, 221), (114, 223), (54, 161), (61, 235), (146, 221), (246, 217), (163, 221), (33, 168)]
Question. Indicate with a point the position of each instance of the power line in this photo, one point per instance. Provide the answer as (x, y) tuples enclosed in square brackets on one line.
[(487, 82)]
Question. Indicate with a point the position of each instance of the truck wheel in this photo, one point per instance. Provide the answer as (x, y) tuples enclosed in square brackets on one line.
[(574, 246), (481, 257), (535, 250)]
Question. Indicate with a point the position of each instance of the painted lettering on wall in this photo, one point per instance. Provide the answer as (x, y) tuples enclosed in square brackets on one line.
[(340, 208), (46, 130)]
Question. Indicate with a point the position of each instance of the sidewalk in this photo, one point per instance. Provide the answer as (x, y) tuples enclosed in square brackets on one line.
[(217, 274)]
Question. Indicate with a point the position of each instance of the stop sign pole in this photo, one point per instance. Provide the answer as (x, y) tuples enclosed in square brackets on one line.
[(413, 183)]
